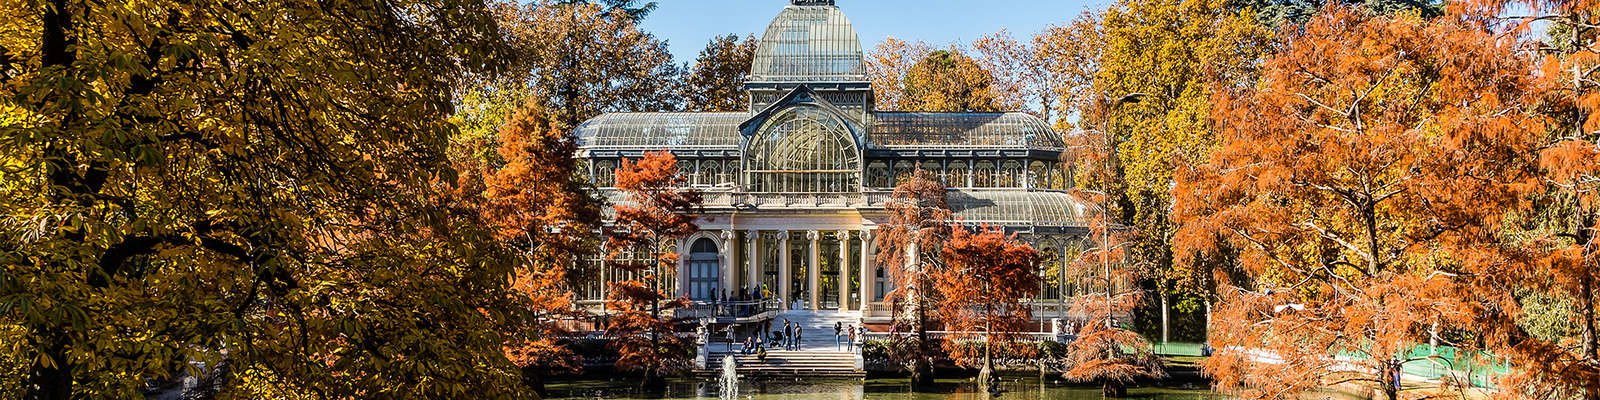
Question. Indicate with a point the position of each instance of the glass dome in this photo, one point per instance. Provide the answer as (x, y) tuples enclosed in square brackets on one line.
[(809, 43)]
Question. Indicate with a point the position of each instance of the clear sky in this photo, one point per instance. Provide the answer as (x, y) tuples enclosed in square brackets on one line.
[(688, 24)]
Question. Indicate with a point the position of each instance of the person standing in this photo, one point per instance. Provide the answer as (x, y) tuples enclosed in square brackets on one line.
[(850, 342), (838, 334), (798, 335), (788, 334)]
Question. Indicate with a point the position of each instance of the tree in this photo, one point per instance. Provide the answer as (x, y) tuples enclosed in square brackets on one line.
[(247, 185), (716, 83), (658, 211), (1564, 227), (1053, 72), (631, 9), (985, 279), (1180, 53), (584, 60), (542, 210), (1105, 351), (1365, 183), (909, 246), (887, 65), (950, 81)]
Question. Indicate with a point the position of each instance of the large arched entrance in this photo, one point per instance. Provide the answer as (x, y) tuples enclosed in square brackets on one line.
[(704, 270)]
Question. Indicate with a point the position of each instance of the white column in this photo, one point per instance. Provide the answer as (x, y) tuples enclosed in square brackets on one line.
[(844, 270), (868, 284), (813, 274), (784, 275), (681, 272), (753, 276), (728, 275)]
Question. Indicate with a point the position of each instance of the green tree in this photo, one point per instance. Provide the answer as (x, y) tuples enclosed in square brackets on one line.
[(252, 185), (716, 82)]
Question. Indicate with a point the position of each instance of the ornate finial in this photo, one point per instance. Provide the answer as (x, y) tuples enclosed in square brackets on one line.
[(811, 2)]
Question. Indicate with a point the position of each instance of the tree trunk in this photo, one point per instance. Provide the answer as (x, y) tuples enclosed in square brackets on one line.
[(533, 377), (1164, 325), (53, 382)]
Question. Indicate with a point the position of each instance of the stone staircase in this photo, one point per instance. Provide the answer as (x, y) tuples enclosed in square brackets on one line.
[(816, 357), (793, 364)]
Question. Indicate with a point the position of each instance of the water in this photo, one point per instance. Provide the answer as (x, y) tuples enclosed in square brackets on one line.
[(893, 389), (728, 387)]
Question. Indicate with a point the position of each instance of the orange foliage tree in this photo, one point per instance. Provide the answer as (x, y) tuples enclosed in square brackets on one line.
[(657, 212), (1363, 185), (1568, 227), (538, 207), (985, 278), (1105, 351), (909, 246)]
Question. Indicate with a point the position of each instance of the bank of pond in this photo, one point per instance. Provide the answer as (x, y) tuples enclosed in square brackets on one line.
[(873, 387)]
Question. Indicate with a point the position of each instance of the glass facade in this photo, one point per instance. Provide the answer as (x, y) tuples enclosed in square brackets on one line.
[(803, 149)]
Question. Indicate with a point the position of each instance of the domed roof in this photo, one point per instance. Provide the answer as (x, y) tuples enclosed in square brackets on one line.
[(810, 41)]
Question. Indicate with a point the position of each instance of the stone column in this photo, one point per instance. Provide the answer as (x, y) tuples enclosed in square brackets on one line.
[(753, 256), (728, 276), (844, 270), (868, 285), (784, 275), (681, 272), (813, 271)]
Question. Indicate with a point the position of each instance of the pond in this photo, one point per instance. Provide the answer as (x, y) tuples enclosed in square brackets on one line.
[(887, 388)]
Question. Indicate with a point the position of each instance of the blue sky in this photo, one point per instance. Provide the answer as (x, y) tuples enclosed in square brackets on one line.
[(688, 24)]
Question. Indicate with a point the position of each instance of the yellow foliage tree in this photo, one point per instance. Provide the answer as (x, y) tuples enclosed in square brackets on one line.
[(1178, 53), (252, 186)]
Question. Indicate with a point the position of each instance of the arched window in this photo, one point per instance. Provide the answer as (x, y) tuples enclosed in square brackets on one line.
[(983, 174), (733, 172), (686, 170), (1049, 272), (803, 149), (605, 173), (704, 271), (902, 172), (1010, 174), (710, 173), (1039, 175), (1064, 178), (957, 174), (878, 175)]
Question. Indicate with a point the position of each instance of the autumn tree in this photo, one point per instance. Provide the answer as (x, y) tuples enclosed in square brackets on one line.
[(887, 65), (249, 186), (1178, 53), (1565, 226), (1105, 351), (1365, 184), (909, 246), (1051, 74), (542, 210), (657, 212), (583, 59), (948, 80), (986, 277), (716, 82)]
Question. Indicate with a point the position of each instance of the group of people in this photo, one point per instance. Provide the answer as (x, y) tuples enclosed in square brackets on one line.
[(844, 338), (744, 295)]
